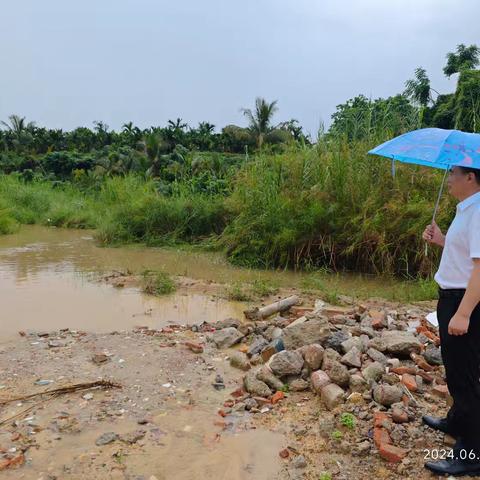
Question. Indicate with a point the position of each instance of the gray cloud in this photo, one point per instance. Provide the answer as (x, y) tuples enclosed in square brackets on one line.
[(65, 63)]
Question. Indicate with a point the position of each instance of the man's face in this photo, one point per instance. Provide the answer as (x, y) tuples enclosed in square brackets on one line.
[(459, 183)]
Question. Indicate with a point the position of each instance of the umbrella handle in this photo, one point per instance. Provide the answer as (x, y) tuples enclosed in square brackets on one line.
[(436, 205)]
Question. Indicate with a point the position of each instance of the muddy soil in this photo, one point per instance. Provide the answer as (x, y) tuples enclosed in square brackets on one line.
[(164, 417)]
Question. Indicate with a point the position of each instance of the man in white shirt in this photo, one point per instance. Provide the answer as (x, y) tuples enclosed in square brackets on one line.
[(458, 312)]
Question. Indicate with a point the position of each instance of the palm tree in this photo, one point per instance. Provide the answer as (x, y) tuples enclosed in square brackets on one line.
[(128, 128), (205, 128), (260, 119), (177, 124), (465, 58), (17, 124)]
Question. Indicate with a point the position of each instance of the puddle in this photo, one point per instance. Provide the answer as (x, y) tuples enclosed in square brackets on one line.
[(47, 282)]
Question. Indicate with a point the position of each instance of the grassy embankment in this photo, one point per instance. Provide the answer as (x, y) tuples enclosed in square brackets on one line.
[(324, 209)]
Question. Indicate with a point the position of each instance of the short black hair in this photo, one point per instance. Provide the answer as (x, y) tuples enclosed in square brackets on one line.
[(475, 171)]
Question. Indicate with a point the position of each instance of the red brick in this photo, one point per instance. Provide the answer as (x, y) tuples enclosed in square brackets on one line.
[(381, 437), (379, 319), (277, 396), (284, 453), (410, 382), (239, 392), (421, 362), (440, 391), (399, 415), (300, 311), (379, 418), (194, 347), (391, 453), (426, 377), (403, 369)]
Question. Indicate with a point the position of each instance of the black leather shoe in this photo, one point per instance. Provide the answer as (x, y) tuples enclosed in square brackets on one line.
[(440, 424), (454, 467)]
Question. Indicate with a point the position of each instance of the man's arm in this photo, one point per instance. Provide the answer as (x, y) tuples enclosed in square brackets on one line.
[(460, 321)]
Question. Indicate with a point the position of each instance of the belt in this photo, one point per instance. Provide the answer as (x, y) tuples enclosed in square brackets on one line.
[(451, 292)]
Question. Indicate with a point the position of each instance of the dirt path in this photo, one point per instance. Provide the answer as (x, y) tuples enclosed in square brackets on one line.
[(165, 416)]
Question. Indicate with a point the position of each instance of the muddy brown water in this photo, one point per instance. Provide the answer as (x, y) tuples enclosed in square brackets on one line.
[(46, 283), (49, 280)]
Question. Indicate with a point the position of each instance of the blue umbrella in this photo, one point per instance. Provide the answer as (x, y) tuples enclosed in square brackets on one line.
[(433, 147)]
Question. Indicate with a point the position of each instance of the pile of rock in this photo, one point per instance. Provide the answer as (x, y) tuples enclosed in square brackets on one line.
[(378, 357)]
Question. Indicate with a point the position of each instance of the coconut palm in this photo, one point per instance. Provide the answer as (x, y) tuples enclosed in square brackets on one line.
[(18, 125), (260, 119)]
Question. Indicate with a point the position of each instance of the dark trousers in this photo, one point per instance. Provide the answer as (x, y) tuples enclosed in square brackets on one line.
[(461, 358)]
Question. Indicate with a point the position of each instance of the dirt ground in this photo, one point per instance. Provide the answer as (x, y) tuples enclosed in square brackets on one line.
[(166, 400), (164, 422)]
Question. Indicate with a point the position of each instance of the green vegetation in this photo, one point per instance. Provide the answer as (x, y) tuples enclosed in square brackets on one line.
[(254, 290), (348, 420), (337, 435), (157, 283), (239, 292), (266, 194), (325, 476)]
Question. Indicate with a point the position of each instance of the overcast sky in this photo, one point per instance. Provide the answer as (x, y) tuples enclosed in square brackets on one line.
[(66, 63)]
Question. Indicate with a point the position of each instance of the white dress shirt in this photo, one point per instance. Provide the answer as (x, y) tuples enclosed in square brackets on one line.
[(462, 244)]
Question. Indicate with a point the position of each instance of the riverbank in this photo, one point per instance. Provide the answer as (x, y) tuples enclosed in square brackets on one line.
[(327, 208)]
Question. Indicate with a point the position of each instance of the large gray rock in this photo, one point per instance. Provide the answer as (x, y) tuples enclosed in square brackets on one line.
[(298, 385), (396, 343), (311, 331), (226, 337), (332, 395), (258, 344), (255, 386), (319, 379), (433, 355), (387, 394), (265, 375), (373, 372), (239, 360), (377, 356), (357, 342), (313, 355), (358, 383), (286, 362), (336, 339), (338, 373), (227, 323), (352, 358)]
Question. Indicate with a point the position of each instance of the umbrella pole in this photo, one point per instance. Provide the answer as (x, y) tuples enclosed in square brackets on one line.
[(436, 204)]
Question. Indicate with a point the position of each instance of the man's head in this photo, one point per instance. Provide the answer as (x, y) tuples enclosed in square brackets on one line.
[(463, 182)]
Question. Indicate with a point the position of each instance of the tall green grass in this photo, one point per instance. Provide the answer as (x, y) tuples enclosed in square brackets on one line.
[(136, 212), (333, 207), (40, 202)]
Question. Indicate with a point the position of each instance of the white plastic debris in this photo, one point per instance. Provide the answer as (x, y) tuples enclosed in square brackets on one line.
[(432, 319)]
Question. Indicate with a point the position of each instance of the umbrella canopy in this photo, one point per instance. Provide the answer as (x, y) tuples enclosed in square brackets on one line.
[(433, 147)]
